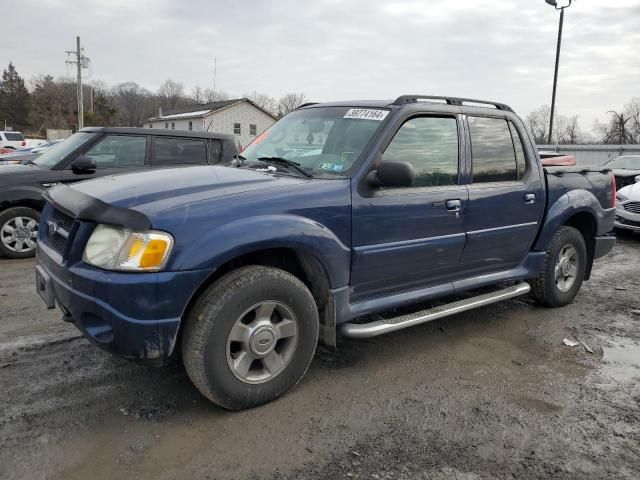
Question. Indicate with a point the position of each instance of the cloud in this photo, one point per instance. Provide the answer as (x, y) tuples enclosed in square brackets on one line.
[(334, 50)]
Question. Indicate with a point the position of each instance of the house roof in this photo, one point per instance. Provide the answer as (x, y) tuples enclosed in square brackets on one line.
[(200, 110)]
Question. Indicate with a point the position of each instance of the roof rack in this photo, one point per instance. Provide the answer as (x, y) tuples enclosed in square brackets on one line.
[(404, 99)]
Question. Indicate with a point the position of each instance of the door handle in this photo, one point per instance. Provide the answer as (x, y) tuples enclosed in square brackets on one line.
[(530, 198)]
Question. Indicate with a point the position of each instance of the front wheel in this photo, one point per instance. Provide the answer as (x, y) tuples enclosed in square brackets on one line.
[(250, 337), (19, 232), (564, 269)]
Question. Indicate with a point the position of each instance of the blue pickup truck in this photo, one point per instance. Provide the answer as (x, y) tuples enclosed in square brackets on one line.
[(327, 224)]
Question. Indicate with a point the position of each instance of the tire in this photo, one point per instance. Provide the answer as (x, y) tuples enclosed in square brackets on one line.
[(557, 291), (233, 308), (22, 218)]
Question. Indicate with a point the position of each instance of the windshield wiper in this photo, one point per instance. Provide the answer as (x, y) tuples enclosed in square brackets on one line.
[(286, 163)]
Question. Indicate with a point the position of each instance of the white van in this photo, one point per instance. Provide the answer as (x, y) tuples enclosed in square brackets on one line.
[(11, 140)]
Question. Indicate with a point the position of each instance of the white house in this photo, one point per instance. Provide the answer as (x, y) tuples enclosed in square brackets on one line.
[(240, 117)]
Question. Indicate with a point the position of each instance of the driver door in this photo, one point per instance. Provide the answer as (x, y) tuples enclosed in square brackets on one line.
[(114, 153), (410, 238)]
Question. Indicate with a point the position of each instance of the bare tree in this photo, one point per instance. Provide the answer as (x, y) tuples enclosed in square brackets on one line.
[(171, 93), (538, 123), (567, 130), (197, 95), (264, 101), (211, 95), (632, 110), (130, 99), (572, 131), (617, 131), (290, 102)]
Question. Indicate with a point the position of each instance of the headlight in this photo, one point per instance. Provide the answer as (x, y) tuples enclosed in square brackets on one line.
[(116, 248), (620, 197)]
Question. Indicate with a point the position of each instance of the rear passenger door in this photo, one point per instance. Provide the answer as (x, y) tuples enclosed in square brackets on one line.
[(168, 151), (505, 197)]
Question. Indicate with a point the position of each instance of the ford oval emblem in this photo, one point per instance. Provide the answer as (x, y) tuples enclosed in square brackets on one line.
[(53, 227)]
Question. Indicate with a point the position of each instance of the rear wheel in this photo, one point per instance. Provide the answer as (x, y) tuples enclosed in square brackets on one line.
[(250, 337), (19, 232), (564, 269)]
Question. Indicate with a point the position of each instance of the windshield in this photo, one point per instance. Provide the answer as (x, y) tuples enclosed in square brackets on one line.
[(324, 140), (625, 163), (53, 155)]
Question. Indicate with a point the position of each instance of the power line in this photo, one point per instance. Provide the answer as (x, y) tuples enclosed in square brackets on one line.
[(81, 62)]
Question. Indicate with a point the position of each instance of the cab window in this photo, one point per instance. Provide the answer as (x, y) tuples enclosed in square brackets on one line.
[(119, 151), (430, 144), (492, 151), (178, 151)]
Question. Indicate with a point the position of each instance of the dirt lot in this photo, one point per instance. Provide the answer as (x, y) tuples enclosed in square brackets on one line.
[(487, 394)]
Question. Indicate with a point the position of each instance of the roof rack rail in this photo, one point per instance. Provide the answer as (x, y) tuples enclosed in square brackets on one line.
[(404, 99), (308, 104)]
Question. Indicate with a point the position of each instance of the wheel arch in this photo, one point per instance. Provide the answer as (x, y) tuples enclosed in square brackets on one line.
[(22, 197), (585, 222), (299, 262)]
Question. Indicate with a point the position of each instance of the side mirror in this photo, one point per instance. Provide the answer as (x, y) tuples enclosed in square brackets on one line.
[(637, 179), (83, 165), (391, 173)]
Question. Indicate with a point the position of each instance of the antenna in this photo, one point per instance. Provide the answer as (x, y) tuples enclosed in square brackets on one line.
[(215, 61)]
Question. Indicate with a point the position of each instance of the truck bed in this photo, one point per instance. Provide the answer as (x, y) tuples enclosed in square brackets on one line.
[(594, 179)]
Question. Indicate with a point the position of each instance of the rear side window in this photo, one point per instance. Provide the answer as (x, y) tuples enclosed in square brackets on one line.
[(13, 136), (492, 152), (430, 144), (216, 151), (179, 151), (119, 151), (521, 160)]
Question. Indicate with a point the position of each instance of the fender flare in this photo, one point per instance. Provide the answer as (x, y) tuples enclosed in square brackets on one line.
[(246, 235), (565, 207), (14, 195)]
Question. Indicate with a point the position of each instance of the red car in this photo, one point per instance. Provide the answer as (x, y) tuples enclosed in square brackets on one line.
[(555, 159)]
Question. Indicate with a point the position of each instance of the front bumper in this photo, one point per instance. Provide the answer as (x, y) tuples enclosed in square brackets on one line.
[(133, 315), (627, 220)]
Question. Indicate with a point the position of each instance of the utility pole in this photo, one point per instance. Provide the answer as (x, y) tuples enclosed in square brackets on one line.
[(81, 62), (563, 4)]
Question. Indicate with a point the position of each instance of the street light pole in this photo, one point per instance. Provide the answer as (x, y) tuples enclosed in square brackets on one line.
[(554, 3)]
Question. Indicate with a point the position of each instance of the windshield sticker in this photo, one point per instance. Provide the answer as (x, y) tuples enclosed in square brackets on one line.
[(334, 167), (366, 114)]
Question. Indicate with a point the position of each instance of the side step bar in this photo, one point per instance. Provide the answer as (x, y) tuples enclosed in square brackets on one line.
[(386, 325)]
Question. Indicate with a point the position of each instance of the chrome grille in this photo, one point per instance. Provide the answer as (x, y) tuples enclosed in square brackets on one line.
[(633, 207), (58, 229)]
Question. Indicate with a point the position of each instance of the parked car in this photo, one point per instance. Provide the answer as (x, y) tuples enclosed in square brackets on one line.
[(26, 155), (339, 213), (10, 139), (628, 207), (625, 169), (555, 159), (90, 153)]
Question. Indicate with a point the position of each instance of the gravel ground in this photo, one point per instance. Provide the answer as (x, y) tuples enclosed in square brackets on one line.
[(487, 394)]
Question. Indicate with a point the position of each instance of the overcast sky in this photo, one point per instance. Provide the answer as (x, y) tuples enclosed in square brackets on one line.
[(342, 49)]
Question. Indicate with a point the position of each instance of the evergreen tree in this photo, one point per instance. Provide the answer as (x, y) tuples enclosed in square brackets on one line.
[(14, 99), (46, 108)]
